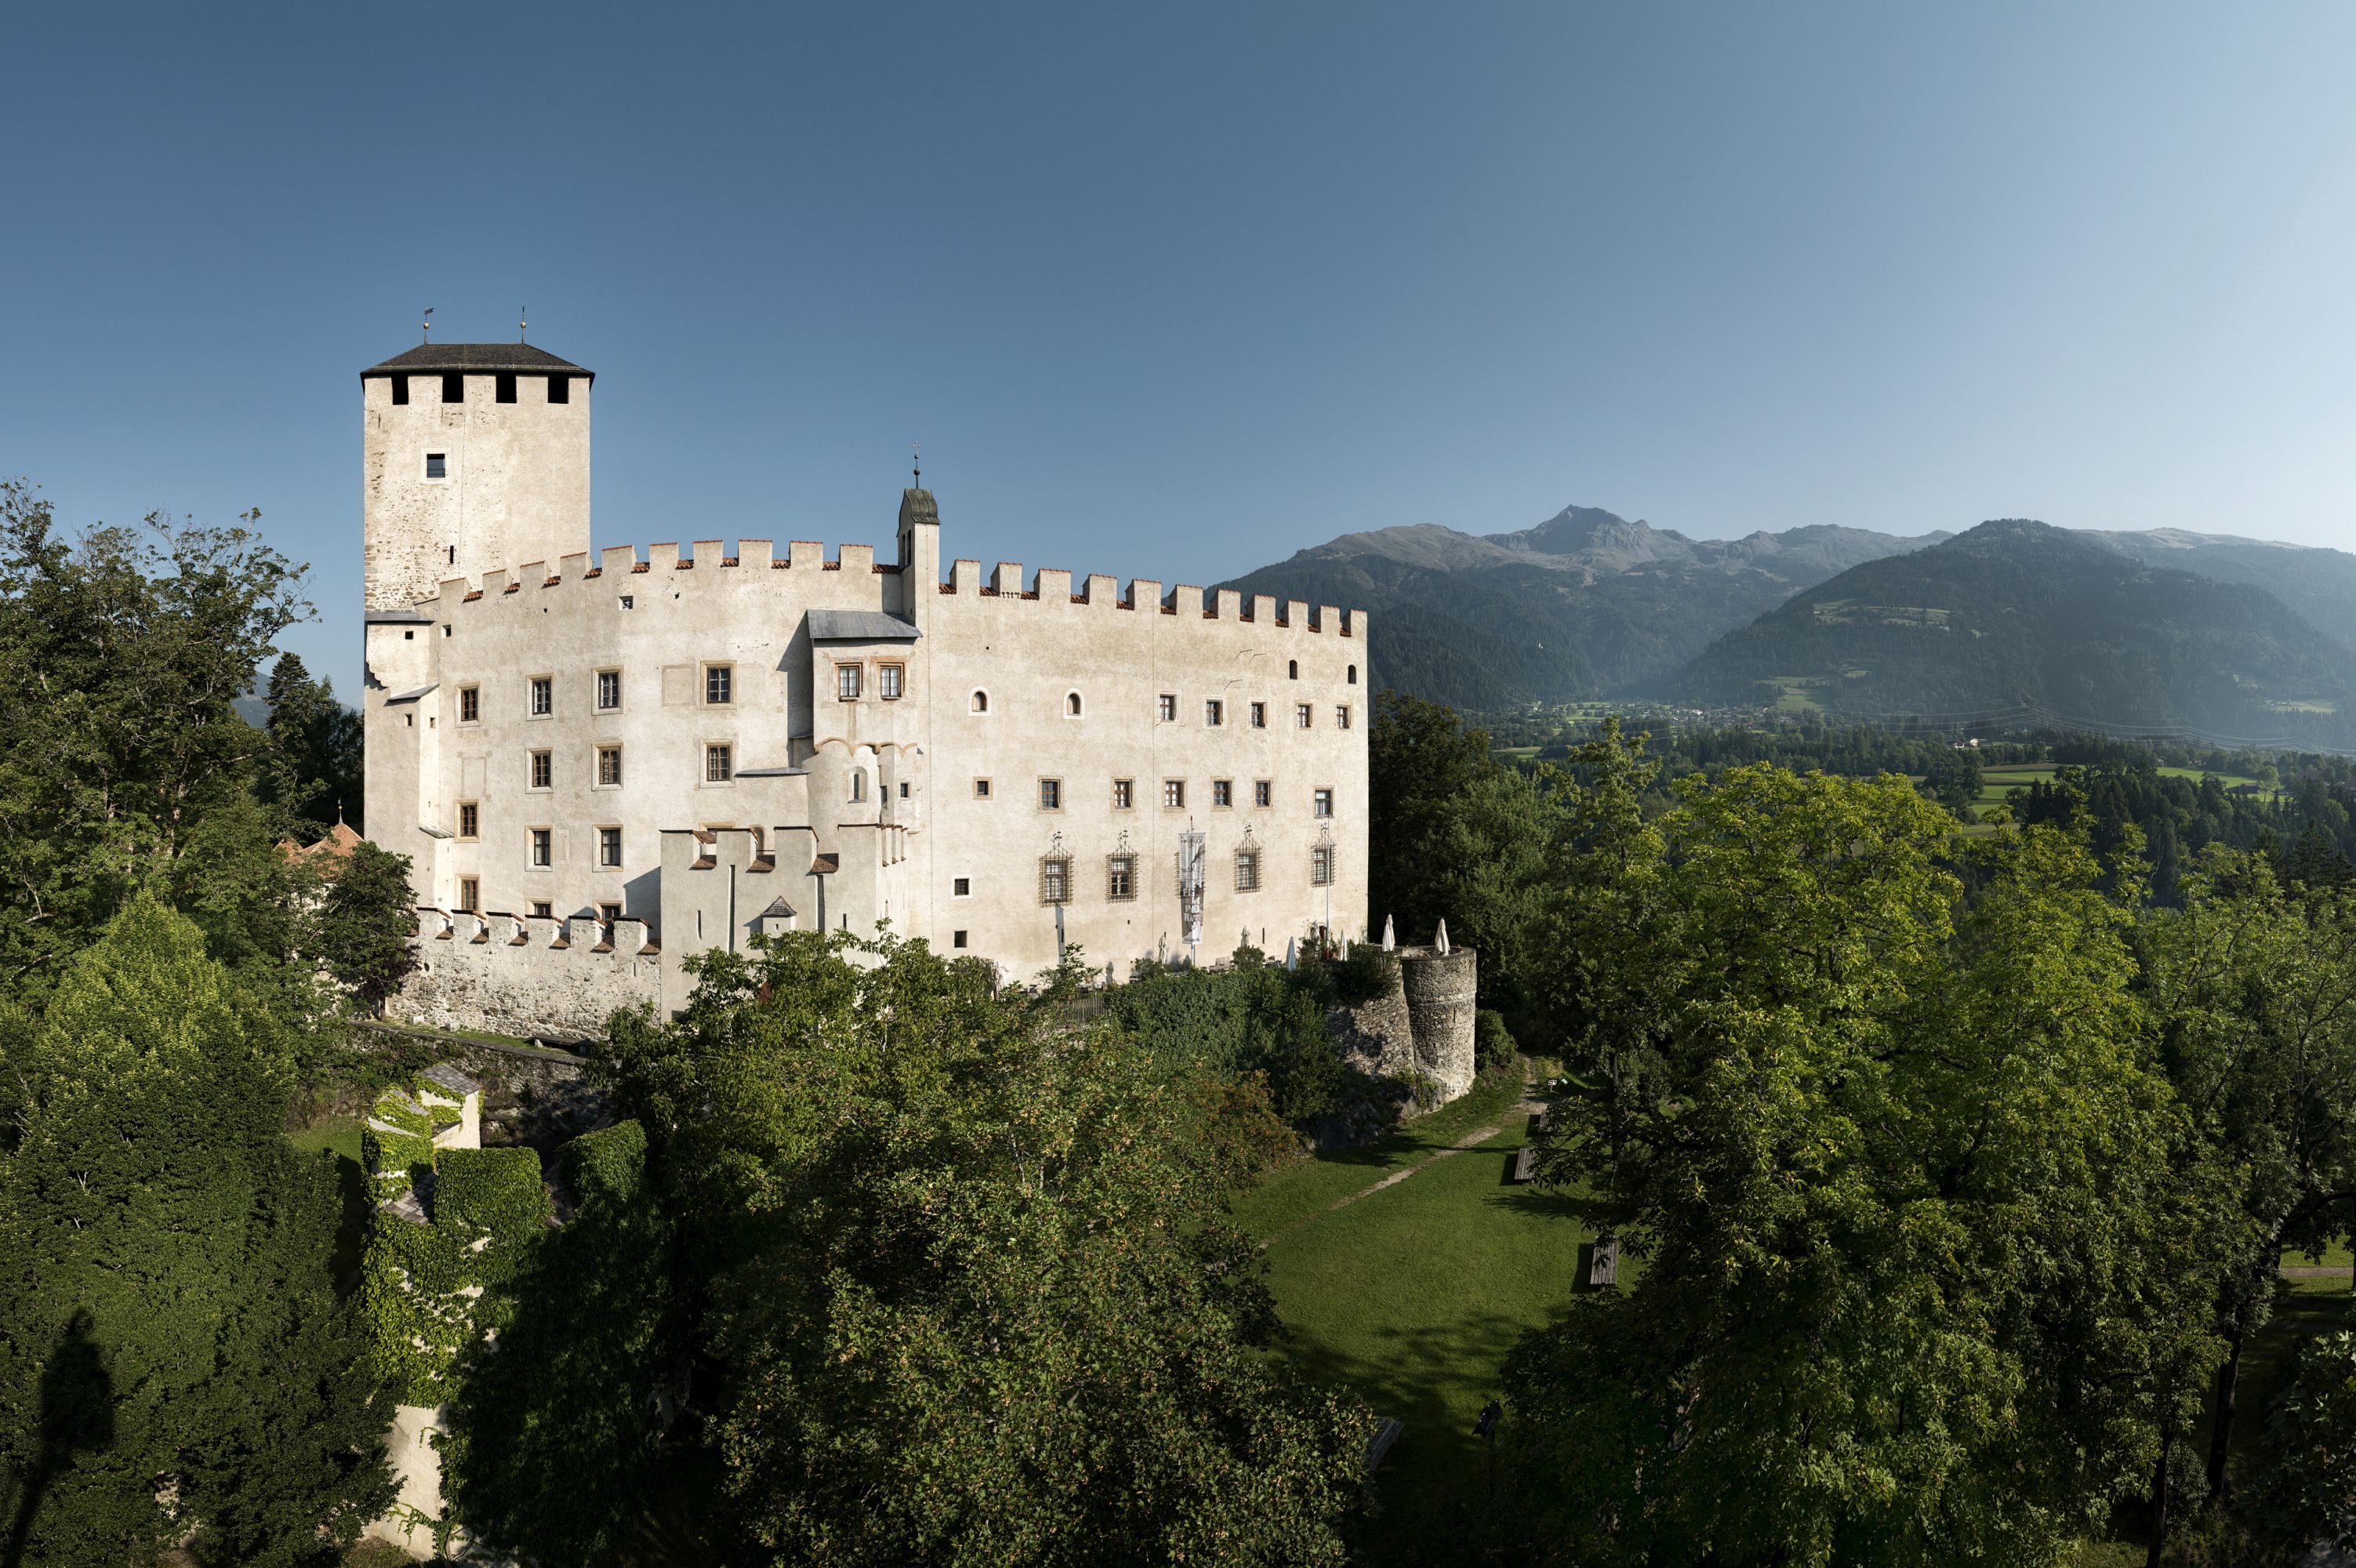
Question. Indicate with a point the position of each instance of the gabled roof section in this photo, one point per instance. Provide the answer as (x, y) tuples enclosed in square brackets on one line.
[(860, 626), (428, 358)]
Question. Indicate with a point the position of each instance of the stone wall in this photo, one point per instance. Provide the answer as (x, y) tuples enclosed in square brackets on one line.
[(1421, 1029), (527, 976)]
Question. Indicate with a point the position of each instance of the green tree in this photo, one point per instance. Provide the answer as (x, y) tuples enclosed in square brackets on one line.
[(2306, 1493), (173, 1358), (365, 924), (1896, 1180), (313, 768), (971, 1291), (1953, 779), (1419, 759)]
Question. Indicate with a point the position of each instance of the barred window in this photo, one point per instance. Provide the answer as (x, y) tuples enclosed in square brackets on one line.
[(846, 682), (543, 770), (470, 705), (1124, 794), (1247, 870), (1055, 880), (543, 696), (719, 764), (609, 846), (541, 846), (609, 687), (1321, 865), (541, 910), (1120, 878), (470, 820), (609, 765), (720, 684)]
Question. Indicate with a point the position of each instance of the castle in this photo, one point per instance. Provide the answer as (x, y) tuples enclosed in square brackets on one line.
[(600, 764)]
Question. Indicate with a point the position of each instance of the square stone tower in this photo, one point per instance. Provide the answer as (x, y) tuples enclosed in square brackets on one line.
[(473, 456)]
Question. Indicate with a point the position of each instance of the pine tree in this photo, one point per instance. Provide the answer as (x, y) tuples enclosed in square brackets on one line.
[(173, 1363)]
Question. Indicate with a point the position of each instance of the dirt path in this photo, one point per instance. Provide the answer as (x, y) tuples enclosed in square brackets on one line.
[(1472, 1140)]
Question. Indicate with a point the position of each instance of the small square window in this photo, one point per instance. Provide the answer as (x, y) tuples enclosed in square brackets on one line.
[(542, 846), (1169, 708), (503, 387), (846, 682), (1054, 880), (1247, 870), (1301, 715), (470, 895), (609, 765), (1051, 794), (454, 387), (1323, 803), (543, 696), (543, 770), (982, 789), (1260, 715), (470, 820), (609, 847), (610, 911), (541, 910), (1124, 794), (1321, 865), (719, 684), (437, 465), (904, 789), (1223, 791), (1173, 792), (1120, 878), (609, 686), (470, 705), (719, 764), (961, 888), (1215, 713), (1263, 792), (888, 681), (629, 601), (957, 939), (1341, 716)]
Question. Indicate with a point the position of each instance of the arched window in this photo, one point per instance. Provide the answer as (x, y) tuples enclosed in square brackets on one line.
[(1292, 669), (982, 701), (1072, 703), (859, 784), (1354, 674)]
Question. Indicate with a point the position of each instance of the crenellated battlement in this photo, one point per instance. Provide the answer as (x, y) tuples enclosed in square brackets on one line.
[(526, 974)]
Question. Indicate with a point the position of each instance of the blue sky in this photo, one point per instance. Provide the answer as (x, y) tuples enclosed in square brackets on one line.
[(1173, 292)]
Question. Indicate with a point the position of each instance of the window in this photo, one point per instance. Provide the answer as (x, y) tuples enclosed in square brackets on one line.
[(982, 789), (1263, 792), (437, 465), (542, 846), (957, 939), (982, 701), (1169, 708), (629, 602), (470, 895), (543, 696), (719, 764), (610, 911), (846, 682), (1321, 804), (1215, 713), (543, 770), (503, 387), (1292, 669), (904, 789), (1260, 715), (609, 847), (401, 389), (609, 685), (1223, 791), (1051, 794), (1341, 716), (1321, 865), (1120, 878), (560, 389), (858, 784), (1301, 718), (1173, 792), (1055, 880), (454, 387), (1247, 870), (451, 556), (609, 765), (961, 888), (470, 820), (1071, 704), (1124, 794), (470, 705), (719, 684), (541, 910), (888, 681), (1354, 674)]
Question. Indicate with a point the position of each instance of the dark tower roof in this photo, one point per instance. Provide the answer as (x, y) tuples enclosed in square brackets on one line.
[(427, 359)]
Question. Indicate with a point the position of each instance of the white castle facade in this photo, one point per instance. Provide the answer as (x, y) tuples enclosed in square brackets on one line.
[(601, 763)]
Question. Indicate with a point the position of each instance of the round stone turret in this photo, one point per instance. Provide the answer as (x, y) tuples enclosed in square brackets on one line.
[(1439, 988)]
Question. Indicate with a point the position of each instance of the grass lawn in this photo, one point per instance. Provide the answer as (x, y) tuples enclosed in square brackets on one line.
[(1413, 1297)]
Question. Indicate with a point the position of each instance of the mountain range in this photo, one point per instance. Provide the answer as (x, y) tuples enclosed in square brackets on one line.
[(2165, 627)]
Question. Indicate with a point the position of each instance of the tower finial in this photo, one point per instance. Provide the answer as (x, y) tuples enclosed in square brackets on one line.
[(916, 463), (429, 323), (523, 321)]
